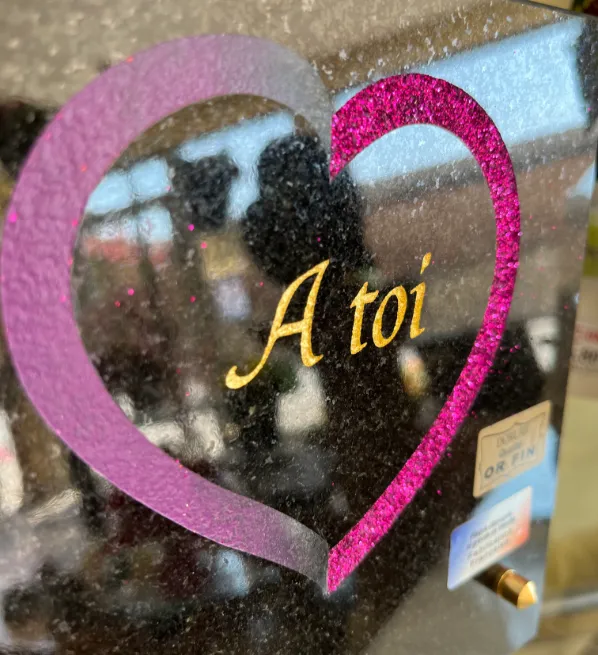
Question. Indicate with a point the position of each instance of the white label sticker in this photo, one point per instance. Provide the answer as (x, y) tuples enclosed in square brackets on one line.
[(511, 447), (489, 536)]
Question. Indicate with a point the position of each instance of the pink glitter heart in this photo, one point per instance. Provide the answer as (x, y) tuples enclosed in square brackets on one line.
[(68, 163), (422, 100)]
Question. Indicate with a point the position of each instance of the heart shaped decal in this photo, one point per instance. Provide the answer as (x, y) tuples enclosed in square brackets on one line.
[(68, 163)]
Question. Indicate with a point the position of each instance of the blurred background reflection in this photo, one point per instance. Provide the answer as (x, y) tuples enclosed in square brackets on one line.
[(183, 253)]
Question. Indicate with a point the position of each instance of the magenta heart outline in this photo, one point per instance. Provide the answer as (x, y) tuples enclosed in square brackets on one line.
[(67, 164), (422, 100)]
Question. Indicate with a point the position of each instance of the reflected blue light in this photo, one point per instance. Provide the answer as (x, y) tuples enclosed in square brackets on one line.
[(585, 186), (156, 224), (149, 179), (243, 143), (112, 194), (230, 577), (528, 84)]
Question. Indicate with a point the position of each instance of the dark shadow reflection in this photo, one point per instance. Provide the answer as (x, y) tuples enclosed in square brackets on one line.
[(319, 445)]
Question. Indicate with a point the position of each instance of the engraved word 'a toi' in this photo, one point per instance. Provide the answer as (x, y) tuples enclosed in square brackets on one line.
[(304, 326)]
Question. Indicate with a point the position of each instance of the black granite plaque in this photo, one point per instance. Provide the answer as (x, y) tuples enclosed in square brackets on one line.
[(261, 293)]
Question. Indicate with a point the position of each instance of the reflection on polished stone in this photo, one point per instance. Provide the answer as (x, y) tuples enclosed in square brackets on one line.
[(184, 252)]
